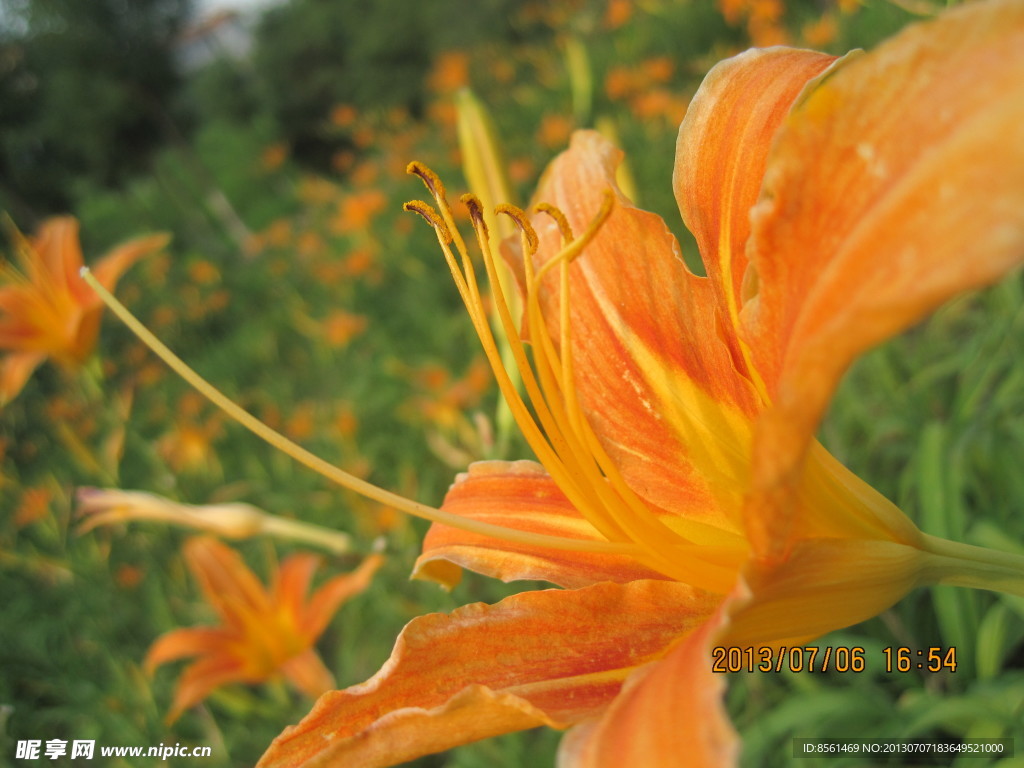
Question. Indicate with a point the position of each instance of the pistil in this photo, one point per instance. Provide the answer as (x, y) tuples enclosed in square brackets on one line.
[(329, 471)]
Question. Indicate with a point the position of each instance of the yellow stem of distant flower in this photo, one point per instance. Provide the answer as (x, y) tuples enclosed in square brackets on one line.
[(329, 471), (232, 520), (308, 533)]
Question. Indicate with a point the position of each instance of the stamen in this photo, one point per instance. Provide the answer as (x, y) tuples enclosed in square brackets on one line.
[(567, 447), (431, 179), (430, 216), (560, 389), (469, 290), (560, 220), (575, 248), (561, 458), (327, 470), (518, 216), (476, 212)]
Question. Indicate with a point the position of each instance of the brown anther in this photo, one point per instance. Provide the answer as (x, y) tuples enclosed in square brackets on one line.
[(518, 216), (431, 179), (560, 220), (431, 216), (476, 212)]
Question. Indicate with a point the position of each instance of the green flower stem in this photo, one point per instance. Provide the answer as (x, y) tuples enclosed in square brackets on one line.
[(965, 565)]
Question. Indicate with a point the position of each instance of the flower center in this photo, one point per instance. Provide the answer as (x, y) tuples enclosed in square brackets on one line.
[(557, 429)]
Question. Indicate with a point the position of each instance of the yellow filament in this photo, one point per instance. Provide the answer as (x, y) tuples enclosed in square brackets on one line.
[(549, 455), (570, 479), (327, 470), (564, 441), (569, 392), (619, 504), (557, 456)]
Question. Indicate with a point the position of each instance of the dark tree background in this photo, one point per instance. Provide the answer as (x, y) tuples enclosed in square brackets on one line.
[(93, 94), (85, 95)]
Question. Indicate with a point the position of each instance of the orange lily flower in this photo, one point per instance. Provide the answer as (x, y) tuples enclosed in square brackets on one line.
[(835, 203), (46, 309), (264, 633)]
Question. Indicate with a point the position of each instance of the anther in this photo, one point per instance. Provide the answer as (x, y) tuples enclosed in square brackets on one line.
[(432, 217), (518, 216), (560, 220), (476, 212), (431, 179)]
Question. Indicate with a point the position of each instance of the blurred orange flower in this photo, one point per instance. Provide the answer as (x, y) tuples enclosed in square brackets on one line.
[(343, 115), (46, 309), (450, 72), (357, 210), (554, 130), (203, 272), (273, 156), (618, 13), (340, 327), (35, 504), (264, 633), (187, 446), (763, 17)]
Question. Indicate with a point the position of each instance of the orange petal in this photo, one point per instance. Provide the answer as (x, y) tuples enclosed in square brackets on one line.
[(472, 714), (59, 254), (669, 715), (519, 495), (721, 151), (182, 643), (108, 270), (328, 598), (290, 584), (226, 581), (27, 320), (15, 370), (307, 672), (659, 390), (553, 656), (200, 678), (895, 184)]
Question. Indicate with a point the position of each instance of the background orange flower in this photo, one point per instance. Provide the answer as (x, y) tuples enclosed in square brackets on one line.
[(46, 309), (264, 633)]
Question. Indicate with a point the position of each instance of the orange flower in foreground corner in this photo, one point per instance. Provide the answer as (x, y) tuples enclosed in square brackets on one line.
[(264, 633), (46, 310), (681, 500)]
